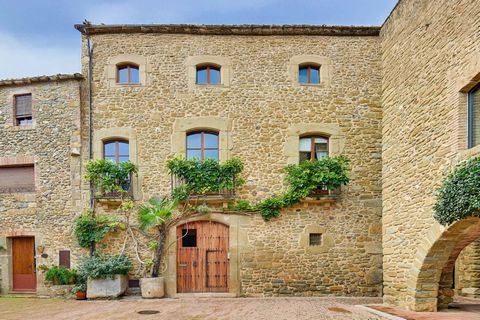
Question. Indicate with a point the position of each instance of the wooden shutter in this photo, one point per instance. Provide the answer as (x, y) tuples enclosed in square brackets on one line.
[(23, 105), (64, 258), (17, 179)]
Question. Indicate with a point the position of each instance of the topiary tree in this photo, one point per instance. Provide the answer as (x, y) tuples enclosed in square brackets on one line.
[(459, 196)]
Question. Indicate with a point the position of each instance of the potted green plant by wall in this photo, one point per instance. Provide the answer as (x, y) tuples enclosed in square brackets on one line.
[(106, 275), (158, 214), (80, 291)]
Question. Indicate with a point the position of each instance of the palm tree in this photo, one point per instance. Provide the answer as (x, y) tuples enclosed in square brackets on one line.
[(158, 213)]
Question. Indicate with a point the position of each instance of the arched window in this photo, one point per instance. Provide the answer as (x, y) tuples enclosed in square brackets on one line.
[(202, 145), (309, 73), (313, 148), (128, 74), (116, 150), (208, 74)]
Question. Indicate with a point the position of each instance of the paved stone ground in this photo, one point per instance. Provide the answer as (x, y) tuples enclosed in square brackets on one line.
[(461, 309), (192, 309)]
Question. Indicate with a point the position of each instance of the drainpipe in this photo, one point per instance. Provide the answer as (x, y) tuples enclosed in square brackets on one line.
[(90, 142)]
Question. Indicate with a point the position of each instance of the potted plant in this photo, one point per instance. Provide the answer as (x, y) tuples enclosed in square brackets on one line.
[(80, 291), (106, 275), (158, 214)]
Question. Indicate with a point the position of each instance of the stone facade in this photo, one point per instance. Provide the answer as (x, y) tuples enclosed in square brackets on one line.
[(392, 99), (430, 57), (52, 144), (255, 114)]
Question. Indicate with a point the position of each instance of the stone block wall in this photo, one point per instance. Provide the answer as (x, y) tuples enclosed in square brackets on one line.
[(430, 54), (262, 102), (52, 144)]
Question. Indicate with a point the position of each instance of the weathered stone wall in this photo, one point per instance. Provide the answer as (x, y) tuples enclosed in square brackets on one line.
[(431, 50), (262, 102), (52, 144), (467, 271)]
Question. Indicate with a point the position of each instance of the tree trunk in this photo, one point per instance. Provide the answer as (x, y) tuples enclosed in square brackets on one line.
[(157, 263)]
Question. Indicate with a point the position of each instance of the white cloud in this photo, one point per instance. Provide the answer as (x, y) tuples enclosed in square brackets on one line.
[(22, 58)]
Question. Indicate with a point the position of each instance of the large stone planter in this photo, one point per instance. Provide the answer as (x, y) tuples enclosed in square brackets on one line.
[(152, 287), (107, 288)]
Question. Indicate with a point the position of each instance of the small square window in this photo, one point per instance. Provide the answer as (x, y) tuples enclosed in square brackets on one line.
[(23, 109), (315, 239), (189, 239)]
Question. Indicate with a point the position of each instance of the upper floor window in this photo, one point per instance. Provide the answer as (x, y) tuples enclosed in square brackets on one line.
[(208, 74), (18, 178), (474, 117), (116, 150), (309, 74), (313, 148), (202, 145), (23, 109), (128, 74)]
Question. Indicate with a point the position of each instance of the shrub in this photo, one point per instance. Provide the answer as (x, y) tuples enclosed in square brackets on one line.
[(459, 196), (61, 275), (97, 266)]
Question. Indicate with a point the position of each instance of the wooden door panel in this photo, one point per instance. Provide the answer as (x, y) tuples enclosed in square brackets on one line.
[(23, 264), (203, 268)]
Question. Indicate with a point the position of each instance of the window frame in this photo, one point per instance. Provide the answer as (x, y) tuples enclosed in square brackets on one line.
[(117, 149), (202, 143), (17, 119), (129, 66), (208, 67), (309, 67), (312, 138), (471, 115)]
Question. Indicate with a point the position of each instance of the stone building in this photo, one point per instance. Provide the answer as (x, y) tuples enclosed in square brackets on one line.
[(393, 99)]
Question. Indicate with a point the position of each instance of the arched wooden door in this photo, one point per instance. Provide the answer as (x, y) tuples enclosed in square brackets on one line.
[(202, 257)]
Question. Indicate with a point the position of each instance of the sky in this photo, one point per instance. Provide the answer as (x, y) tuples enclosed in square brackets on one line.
[(37, 37)]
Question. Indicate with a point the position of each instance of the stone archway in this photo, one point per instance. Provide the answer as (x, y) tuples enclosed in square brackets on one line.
[(429, 284)]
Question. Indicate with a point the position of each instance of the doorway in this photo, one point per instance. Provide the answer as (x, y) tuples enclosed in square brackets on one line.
[(23, 264)]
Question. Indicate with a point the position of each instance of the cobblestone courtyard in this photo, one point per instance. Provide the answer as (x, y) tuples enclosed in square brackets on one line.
[(191, 309)]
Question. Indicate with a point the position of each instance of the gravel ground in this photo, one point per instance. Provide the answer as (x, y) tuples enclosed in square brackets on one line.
[(191, 309)]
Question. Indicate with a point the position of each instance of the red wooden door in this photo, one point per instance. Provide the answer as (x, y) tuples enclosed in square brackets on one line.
[(23, 264), (202, 257)]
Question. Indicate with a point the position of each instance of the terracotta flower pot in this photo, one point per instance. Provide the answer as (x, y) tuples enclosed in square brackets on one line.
[(81, 295)]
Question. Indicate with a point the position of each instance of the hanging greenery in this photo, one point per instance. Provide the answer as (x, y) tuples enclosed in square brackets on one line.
[(459, 196), (89, 228), (202, 177), (109, 176), (302, 179)]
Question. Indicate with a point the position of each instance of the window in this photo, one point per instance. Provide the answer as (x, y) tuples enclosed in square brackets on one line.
[(116, 150), (474, 117), (189, 238), (128, 74), (315, 239), (208, 74), (17, 179), (309, 74), (202, 145), (64, 258), (313, 148), (23, 109)]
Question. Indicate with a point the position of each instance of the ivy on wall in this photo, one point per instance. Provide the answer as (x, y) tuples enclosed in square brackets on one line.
[(459, 196)]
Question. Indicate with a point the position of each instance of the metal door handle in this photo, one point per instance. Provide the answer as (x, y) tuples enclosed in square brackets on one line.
[(194, 264)]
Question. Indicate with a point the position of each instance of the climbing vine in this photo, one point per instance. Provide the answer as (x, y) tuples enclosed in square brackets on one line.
[(108, 176), (303, 179), (93, 228), (202, 177), (459, 196)]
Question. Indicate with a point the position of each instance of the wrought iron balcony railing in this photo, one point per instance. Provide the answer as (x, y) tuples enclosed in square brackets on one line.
[(126, 192), (225, 193)]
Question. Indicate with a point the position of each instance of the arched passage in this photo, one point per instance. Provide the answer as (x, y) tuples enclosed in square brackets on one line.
[(430, 281)]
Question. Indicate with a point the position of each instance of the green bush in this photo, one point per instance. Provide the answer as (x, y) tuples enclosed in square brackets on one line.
[(201, 177), (89, 228), (98, 266), (61, 275), (109, 176), (459, 196)]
